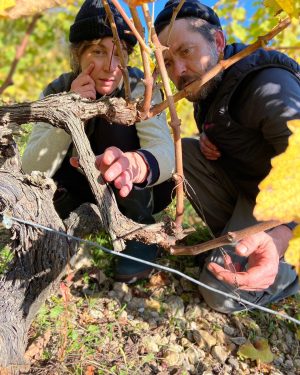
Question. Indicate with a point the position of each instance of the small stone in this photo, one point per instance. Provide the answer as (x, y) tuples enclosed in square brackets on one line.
[(172, 338), (230, 331), (97, 314), (136, 303), (150, 345), (233, 362), (297, 363), (219, 353), (121, 289), (243, 366), (221, 337), (289, 339), (185, 342), (173, 358), (194, 354), (175, 307), (204, 339), (112, 294), (278, 361), (227, 369), (238, 340), (193, 312), (283, 347), (83, 259), (127, 298), (175, 348), (288, 364), (192, 325)]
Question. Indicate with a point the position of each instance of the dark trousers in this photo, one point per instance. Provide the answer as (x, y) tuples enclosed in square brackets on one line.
[(224, 208)]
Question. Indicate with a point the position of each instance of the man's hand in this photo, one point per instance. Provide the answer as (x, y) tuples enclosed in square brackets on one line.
[(122, 168), (84, 85), (208, 149), (262, 268)]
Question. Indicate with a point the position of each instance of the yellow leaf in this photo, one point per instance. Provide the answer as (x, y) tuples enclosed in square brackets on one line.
[(289, 6), (273, 5), (279, 196), (292, 255), (5, 4), (152, 304)]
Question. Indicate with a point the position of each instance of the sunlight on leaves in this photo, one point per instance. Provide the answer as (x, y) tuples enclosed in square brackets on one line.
[(290, 7), (258, 351), (4, 5), (279, 196), (15, 9), (292, 255)]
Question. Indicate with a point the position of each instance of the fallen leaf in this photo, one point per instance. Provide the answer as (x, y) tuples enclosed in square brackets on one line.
[(159, 279), (152, 304), (90, 370), (35, 350), (258, 351)]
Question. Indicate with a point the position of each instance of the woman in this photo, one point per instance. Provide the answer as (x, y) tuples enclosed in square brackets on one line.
[(132, 159)]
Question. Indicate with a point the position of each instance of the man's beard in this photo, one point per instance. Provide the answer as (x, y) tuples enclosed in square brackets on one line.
[(208, 87)]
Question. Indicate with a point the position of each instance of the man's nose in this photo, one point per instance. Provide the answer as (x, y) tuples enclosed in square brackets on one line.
[(179, 68)]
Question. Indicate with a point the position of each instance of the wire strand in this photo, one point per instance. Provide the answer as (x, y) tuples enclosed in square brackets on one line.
[(7, 220)]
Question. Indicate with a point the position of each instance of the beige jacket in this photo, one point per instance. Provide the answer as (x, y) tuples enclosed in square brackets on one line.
[(47, 145)]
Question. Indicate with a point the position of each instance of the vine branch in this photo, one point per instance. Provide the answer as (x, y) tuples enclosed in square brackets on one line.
[(19, 53)]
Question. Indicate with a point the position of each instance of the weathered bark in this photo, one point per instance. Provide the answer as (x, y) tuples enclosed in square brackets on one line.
[(40, 259), (69, 111), (41, 256)]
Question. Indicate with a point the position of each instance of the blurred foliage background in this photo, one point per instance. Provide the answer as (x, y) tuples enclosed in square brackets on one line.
[(47, 56)]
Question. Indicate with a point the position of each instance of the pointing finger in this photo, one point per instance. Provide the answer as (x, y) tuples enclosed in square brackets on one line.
[(89, 69)]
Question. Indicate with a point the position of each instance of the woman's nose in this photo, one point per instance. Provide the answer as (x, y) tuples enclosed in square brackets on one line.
[(111, 63)]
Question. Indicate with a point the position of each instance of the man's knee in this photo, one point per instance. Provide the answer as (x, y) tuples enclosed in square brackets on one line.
[(189, 146), (218, 301)]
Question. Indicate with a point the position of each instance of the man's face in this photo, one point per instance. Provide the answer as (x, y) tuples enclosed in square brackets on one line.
[(188, 57)]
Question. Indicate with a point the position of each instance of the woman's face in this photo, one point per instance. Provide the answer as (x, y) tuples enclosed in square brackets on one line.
[(106, 73)]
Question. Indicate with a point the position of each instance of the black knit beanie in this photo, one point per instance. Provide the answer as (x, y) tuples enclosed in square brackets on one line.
[(92, 22), (190, 8)]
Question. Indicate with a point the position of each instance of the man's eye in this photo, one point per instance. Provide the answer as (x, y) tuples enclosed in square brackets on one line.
[(186, 51)]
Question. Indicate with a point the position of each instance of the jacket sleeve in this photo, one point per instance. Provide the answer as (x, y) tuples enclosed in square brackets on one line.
[(156, 143), (47, 146), (46, 149), (270, 99)]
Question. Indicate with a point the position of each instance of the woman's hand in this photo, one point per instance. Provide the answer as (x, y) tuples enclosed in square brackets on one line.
[(123, 169), (84, 85)]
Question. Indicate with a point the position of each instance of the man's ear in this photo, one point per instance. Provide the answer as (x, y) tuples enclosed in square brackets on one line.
[(220, 41)]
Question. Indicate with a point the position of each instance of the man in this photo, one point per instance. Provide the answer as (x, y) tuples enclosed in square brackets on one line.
[(242, 116)]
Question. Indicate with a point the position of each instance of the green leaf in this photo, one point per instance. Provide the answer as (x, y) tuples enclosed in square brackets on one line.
[(258, 351)]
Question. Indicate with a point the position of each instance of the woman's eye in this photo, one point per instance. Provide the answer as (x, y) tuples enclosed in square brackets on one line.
[(98, 52)]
